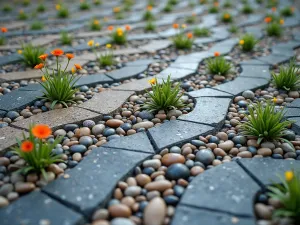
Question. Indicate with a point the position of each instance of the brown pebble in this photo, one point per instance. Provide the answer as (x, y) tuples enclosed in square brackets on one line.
[(131, 181), (128, 200), (183, 182), (114, 123), (155, 212), (100, 222), (264, 152), (196, 170), (119, 210), (100, 214), (118, 194), (24, 187), (168, 192), (143, 179), (160, 185), (245, 154), (172, 158), (122, 185)]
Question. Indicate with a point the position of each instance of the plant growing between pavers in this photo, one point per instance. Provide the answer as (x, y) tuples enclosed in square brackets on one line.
[(37, 25), (2, 38), (118, 13), (97, 2), (168, 8), (95, 25), (36, 152), (150, 26), (273, 27), (84, 5), (119, 36), (218, 65), (247, 9), (65, 38), (226, 17), (233, 29), (148, 15), (59, 86), (191, 19), (62, 11), (265, 123), (201, 32), (288, 77), (104, 59), (163, 96), (22, 15), (41, 8), (30, 54), (248, 42), (227, 4), (288, 194), (26, 2), (6, 8), (287, 11), (182, 40), (214, 8)]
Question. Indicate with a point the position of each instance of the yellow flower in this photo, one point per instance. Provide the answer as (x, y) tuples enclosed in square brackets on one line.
[(91, 43), (281, 21), (242, 42), (152, 81), (275, 100), (21, 11), (149, 7), (73, 70), (96, 22), (57, 7), (105, 19), (226, 16), (116, 9), (119, 29), (183, 26), (120, 33), (20, 51), (289, 175), (43, 78), (108, 45), (97, 44)]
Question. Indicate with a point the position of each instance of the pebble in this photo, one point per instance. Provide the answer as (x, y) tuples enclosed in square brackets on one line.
[(114, 123), (98, 129), (160, 185), (3, 202), (119, 210), (24, 187), (133, 191), (226, 146), (142, 179), (121, 221), (177, 171), (154, 163), (263, 211), (155, 212), (264, 152), (205, 156), (146, 125), (171, 158)]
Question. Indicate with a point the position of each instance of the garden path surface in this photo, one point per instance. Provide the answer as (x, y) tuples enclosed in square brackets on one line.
[(221, 195)]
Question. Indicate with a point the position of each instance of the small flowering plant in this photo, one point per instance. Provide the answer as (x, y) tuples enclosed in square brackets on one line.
[(148, 15), (118, 13), (119, 36), (288, 194), (214, 8), (95, 25), (226, 17), (35, 151), (248, 42), (105, 59), (2, 38), (182, 40), (163, 96), (84, 5), (62, 11), (22, 15), (58, 85), (274, 26), (287, 11), (218, 65), (30, 54)]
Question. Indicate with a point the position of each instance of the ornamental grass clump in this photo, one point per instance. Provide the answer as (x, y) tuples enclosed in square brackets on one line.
[(65, 38), (218, 65), (201, 32), (182, 40), (106, 58), (37, 152), (7, 8), (214, 8), (247, 9), (119, 36), (22, 15), (148, 15), (150, 26), (97, 2), (30, 54), (227, 4), (248, 42), (191, 19), (287, 11), (62, 11), (41, 8), (163, 96), (95, 25), (59, 85), (233, 29), (84, 5), (226, 17), (168, 8), (265, 123), (288, 77), (37, 25), (288, 194), (2, 38), (118, 13), (274, 28)]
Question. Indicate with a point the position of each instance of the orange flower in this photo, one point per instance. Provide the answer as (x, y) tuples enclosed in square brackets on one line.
[(189, 35), (41, 131), (43, 57), (3, 29), (43, 79), (39, 66), (268, 19), (274, 9), (175, 25), (281, 21), (226, 16), (216, 4), (57, 52), (78, 67), (149, 7), (292, 9), (110, 28), (70, 56), (26, 146), (127, 27), (217, 54)]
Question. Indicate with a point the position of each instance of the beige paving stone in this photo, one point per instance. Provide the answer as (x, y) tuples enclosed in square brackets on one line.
[(8, 137), (28, 74)]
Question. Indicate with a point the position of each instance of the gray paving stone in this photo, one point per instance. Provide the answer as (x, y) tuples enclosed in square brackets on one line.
[(9, 59), (224, 47), (255, 31), (253, 62), (138, 85), (290, 22), (267, 170), (38, 208), (32, 87), (175, 73), (208, 110), (8, 136), (155, 45), (226, 187), (141, 62), (126, 72), (219, 33), (241, 84), (92, 80), (209, 92), (135, 142), (106, 102), (291, 112), (142, 36), (168, 33), (295, 103), (196, 57), (188, 65), (256, 71), (274, 59), (252, 19), (178, 132), (192, 216), (22, 75), (18, 99), (296, 124), (285, 48), (59, 117), (86, 191)]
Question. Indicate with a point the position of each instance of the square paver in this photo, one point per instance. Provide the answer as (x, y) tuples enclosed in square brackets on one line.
[(93, 80), (274, 59), (126, 72), (175, 73), (255, 71), (209, 92), (92, 181)]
